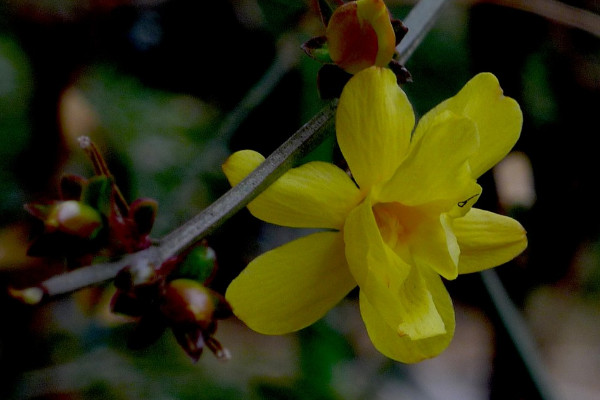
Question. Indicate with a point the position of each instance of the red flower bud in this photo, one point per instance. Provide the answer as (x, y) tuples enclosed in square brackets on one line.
[(189, 302), (360, 34), (74, 218)]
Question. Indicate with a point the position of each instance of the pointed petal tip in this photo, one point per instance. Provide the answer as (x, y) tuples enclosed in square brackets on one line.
[(290, 287)]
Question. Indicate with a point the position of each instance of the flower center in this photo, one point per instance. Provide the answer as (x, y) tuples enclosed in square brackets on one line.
[(397, 224)]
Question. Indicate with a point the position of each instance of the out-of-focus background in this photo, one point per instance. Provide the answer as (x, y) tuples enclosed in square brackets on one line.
[(158, 84)]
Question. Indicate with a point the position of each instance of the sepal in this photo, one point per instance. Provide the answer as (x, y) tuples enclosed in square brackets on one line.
[(143, 213), (400, 30), (98, 193), (317, 49), (402, 74)]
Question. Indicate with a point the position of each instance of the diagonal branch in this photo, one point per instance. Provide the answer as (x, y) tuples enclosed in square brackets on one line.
[(419, 21)]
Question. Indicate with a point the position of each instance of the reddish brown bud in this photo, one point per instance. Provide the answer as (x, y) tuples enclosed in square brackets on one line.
[(74, 218), (187, 301), (360, 35)]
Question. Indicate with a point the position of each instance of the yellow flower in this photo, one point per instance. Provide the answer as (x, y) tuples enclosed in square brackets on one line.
[(404, 221)]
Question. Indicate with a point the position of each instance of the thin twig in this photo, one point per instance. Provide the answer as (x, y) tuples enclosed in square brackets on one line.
[(301, 143), (100, 168), (287, 57), (423, 15), (419, 21), (556, 11)]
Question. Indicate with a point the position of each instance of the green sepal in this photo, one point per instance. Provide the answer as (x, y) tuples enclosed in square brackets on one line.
[(40, 210), (98, 194), (317, 48), (75, 218)]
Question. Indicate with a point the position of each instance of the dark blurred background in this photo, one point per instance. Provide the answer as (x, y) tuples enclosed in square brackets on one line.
[(157, 85)]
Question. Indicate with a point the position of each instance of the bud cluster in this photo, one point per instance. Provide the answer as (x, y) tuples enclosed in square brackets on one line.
[(92, 222), (174, 296)]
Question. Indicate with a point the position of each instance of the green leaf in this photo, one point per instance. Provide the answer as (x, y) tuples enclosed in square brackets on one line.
[(98, 194)]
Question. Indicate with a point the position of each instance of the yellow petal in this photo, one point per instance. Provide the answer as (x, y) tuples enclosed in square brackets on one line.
[(437, 168), (377, 15), (404, 348), (364, 240), (498, 119), (292, 286), (487, 240), (434, 246), (394, 288), (374, 121), (240, 164), (421, 235), (314, 195)]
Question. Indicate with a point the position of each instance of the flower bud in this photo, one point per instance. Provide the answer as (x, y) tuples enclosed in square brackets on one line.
[(189, 302), (31, 296), (360, 34), (199, 264), (74, 218)]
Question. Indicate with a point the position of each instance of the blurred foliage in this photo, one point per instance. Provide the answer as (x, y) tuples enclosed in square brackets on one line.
[(15, 96), (158, 135), (152, 81)]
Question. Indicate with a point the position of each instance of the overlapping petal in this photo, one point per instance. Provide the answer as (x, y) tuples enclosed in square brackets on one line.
[(437, 168), (498, 119), (434, 246), (394, 288), (292, 286), (404, 348), (314, 195), (410, 220), (487, 240), (374, 121)]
